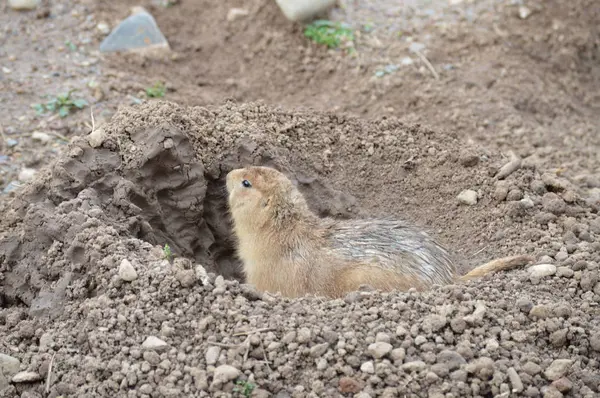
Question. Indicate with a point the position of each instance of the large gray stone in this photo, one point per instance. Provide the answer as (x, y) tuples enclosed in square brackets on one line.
[(138, 32)]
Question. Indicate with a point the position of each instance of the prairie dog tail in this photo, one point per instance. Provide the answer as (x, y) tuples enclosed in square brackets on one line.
[(499, 264)]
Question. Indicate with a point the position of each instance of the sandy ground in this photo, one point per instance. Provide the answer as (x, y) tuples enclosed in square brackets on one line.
[(488, 88)]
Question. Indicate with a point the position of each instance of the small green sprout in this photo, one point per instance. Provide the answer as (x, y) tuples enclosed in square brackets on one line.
[(156, 91), (72, 47), (62, 103), (329, 33), (245, 388), (167, 252)]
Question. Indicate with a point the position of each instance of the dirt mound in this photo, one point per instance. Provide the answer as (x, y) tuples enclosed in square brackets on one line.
[(155, 175)]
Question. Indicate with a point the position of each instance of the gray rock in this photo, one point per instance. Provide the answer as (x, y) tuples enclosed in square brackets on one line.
[(532, 368), (414, 366), (382, 337), (379, 350), (212, 355), (595, 341), (540, 311), (96, 137), (553, 203), (319, 349), (9, 366), (563, 384), (564, 272), (558, 368), (154, 343), (398, 354), (559, 337), (435, 322), (138, 32), (186, 277), (501, 191), (515, 380), (304, 335), (542, 270), (552, 392), (451, 358), (26, 377), (226, 373)]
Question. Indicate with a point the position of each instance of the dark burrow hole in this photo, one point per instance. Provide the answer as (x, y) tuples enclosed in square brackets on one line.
[(204, 235)]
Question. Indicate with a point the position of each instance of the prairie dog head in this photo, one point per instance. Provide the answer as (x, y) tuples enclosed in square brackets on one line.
[(261, 196)]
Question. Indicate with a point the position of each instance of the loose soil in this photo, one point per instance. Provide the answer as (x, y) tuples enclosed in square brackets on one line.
[(152, 174)]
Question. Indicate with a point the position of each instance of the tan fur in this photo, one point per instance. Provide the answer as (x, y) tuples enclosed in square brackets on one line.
[(286, 248)]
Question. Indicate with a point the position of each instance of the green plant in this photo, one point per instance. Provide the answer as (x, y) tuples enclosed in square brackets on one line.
[(72, 47), (167, 252), (156, 91), (328, 32), (245, 388), (62, 103)]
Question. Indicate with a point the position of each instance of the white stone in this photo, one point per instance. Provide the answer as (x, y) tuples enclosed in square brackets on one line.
[(26, 377), (406, 61), (226, 373), (96, 137), (524, 12), (236, 13), (212, 355), (27, 174), (126, 271), (154, 343), (302, 10), (103, 28), (41, 137), (367, 367), (23, 4), (542, 270), (468, 197)]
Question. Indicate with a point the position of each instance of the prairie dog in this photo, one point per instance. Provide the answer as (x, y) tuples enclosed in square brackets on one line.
[(286, 248)]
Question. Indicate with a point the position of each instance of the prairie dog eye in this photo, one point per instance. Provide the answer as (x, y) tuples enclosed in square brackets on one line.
[(246, 184)]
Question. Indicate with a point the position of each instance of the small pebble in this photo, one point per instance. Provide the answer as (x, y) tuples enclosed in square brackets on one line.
[(236, 13), (542, 270), (26, 377), (558, 368), (368, 367), (154, 343), (9, 366), (212, 355), (126, 271), (379, 350), (226, 373), (468, 197), (41, 137), (103, 28), (414, 366), (27, 174), (23, 5), (524, 12)]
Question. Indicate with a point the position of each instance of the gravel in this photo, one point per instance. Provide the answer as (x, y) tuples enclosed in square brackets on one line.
[(187, 327)]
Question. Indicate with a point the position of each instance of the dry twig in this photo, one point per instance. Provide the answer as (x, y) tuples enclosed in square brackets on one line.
[(428, 64)]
